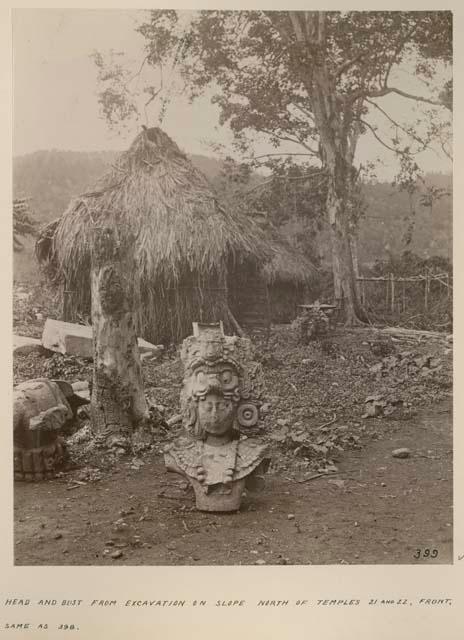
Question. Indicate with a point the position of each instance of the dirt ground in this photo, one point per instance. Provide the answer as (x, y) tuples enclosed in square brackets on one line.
[(376, 509)]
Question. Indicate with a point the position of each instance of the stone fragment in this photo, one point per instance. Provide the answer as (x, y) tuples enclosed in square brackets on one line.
[(41, 409), (401, 453), (376, 368), (338, 483), (73, 339), (82, 389), (23, 345), (291, 516), (117, 554), (176, 419)]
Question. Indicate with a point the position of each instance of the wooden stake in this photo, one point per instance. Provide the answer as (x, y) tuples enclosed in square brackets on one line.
[(426, 293), (392, 280)]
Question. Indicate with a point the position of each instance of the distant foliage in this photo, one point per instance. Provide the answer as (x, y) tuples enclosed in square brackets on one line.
[(397, 221), (289, 197), (23, 222), (413, 307), (52, 178)]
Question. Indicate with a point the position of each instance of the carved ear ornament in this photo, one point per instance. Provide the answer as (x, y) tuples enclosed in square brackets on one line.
[(247, 415)]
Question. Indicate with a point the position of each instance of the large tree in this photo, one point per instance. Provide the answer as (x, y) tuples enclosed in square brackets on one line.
[(312, 78)]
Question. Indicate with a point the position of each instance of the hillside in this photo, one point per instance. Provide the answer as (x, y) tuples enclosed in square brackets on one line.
[(52, 178), (389, 217)]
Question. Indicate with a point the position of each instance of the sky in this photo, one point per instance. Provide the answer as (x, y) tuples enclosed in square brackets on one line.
[(55, 90)]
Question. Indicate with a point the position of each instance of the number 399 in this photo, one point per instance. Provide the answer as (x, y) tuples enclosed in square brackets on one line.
[(426, 553)]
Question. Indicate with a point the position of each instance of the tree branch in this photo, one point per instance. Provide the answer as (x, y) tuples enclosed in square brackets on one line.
[(288, 139), (347, 64), (396, 124), (304, 111), (448, 154), (387, 90), (374, 132), (398, 48), (305, 176), (266, 155)]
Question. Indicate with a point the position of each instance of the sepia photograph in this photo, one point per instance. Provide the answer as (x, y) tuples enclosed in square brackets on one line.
[(232, 287)]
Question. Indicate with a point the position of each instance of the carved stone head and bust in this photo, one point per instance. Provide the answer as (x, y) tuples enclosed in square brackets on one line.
[(220, 396)]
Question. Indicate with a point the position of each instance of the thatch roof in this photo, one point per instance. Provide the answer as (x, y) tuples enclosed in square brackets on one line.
[(288, 265), (170, 207), (182, 235), (184, 241)]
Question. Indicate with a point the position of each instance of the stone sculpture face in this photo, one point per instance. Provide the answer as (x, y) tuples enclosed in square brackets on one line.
[(216, 415), (220, 394), (217, 364)]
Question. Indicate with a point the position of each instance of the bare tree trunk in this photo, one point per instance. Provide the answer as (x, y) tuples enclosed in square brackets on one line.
[(341, 254), (118, 402), (338, 138), (354, 255)]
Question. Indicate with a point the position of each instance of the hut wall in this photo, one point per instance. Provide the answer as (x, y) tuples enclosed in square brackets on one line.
[(249, 299), (284, 299), (168, 311)]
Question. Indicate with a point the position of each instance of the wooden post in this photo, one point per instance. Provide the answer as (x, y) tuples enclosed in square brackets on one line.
[(426, 292), (392, 280), (386, 293), (66, 309), (404, 296)]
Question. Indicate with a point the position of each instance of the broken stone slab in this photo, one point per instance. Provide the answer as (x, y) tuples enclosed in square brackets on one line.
[(23, 345), (77, 339), (401, 453), (374, 406), (81, 388)]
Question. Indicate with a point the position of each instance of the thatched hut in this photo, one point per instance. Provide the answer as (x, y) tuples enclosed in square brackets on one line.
[(272, 292), (184, 241), (187, 247), (290, 278)]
